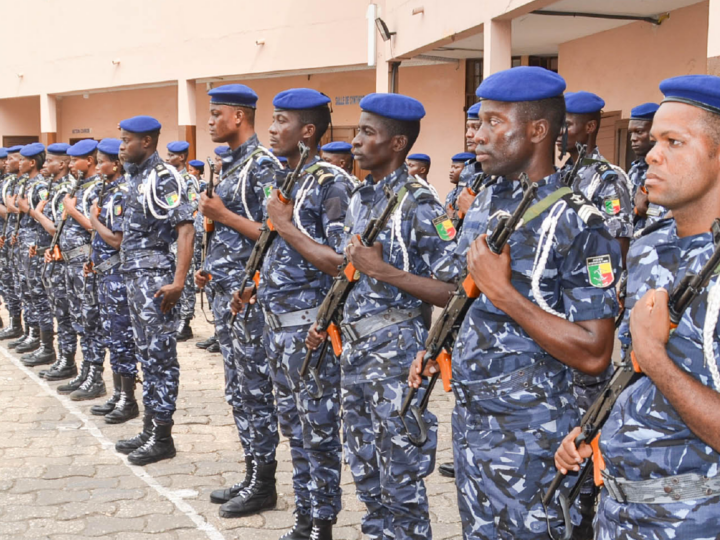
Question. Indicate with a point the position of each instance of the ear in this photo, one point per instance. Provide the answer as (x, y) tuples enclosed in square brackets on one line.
[(591, 127), (399, 143), (308, 131), (239, 117), (146, 141), (538, 130)]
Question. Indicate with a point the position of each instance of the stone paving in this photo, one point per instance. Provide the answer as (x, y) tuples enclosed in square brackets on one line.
[(60, 477)]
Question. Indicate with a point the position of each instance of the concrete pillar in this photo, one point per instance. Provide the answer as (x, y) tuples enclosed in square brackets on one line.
[(186, 115), (48, 119), (497, 50), (713, 38)]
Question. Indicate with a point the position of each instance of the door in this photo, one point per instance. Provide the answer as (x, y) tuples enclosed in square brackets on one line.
[(14, 140), (344, 134), (607, 136)]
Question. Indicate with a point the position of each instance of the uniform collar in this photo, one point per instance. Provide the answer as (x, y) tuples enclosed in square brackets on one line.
[(391, 180), (150, 162), (240, 152)]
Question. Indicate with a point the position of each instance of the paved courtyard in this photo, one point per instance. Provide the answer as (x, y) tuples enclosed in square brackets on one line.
[(60, 477)]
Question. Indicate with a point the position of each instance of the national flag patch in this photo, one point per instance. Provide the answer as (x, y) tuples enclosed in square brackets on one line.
[(612, 206), (61, 207), (192, 195), (267, 190), (600, 271), (172, 198), (117, 210), (444, 227)]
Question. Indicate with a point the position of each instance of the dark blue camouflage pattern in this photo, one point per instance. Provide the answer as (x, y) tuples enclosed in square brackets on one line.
[(637, 173)]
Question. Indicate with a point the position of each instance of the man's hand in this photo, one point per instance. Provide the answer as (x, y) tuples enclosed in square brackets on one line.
[(239, 300), (641, 202), (490, 272), (32, 251), (570, 458), (212, 207), (88, 269), (170, 295), (2, 242), (11, 204), (48, 256), (415, 377), (314, 338), (94, 211), (279, 212), (13, 240), (368, 260), (69, 204), (464, 201), (650, 328), (201, 278), (450, 211), (41, 206), (24, 205)]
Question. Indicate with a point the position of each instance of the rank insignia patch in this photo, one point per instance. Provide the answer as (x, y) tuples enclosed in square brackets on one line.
[(600, 271), (444, 227)]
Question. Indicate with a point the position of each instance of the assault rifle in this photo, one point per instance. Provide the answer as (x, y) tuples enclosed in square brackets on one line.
[(21, 193), (625, 375), (209, 227), (330, 312), (9, 187), (267, 230), (479, 183), (569, 179), (103, 179), (443, 332), (54, 249)]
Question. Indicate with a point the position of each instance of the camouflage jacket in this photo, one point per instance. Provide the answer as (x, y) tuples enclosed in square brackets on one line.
[(111, 215)]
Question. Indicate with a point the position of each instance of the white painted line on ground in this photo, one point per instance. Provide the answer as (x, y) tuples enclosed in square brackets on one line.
[(174, 497)]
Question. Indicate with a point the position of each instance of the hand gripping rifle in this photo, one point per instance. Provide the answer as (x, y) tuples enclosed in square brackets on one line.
[(479, 183), (21, 193), (330, 312), (267, 230), (54, 249), (443, 332), (625, 375), (103, 180), (569, 178), (209, 227)]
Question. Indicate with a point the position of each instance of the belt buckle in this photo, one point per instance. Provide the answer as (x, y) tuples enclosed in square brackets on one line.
[(614, 488)]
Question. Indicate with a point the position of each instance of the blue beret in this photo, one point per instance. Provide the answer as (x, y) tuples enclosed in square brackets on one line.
[(583, 103), (3, 153), (337, 147), (393, 106), (178, 147), (197, 163), (140, 124), (15, 148), (472, 112), (701, 91), (32, 149), (463, 156), (233, 94), (523, 83), (300, 98), (82, 148), (646, 111), (110, 147), (221, 150), (282, 159), (58, 149), (419, 157)]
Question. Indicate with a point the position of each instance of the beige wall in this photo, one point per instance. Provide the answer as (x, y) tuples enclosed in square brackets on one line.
[(625, 65), (19, 116)]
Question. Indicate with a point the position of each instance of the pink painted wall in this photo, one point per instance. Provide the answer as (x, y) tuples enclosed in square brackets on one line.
[(20, 116), (626, 64)]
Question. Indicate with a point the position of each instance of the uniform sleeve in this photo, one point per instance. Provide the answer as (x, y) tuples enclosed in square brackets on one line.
[(334, 210), (588, 275), (435, 238), (118, 212), (167, 191), (616, 204), (263, 182)]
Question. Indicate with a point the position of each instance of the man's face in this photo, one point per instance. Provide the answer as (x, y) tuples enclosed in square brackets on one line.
[(193, 171), (131, 148), (79, 165), (217, 162), (339, 160), (577, 131), (639, 131), (222, 123), (372, 146), (13, 163), (684, 163), (176, 160), (456, 168), (25, 165), (503, 146), (417, 168), (471, 127), (286, 131)]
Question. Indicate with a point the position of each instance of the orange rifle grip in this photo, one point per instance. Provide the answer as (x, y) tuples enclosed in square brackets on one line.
[(636, 366), (256, 280), (351, 273), (56, 255), (598, 461), (445, 363), (209, 225), (471, 289), (334, 333), (270, 225), (461, 215)]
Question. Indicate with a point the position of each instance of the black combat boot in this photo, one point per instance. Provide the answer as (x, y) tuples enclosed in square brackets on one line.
[(21, 339), (301, 529), (184, 331), (206, 343), (76, 382), (447, 470), (258, 496), (92, 387), (45, 354), (64, 368), (31, 343), (159, 446), (322, 529), (127, 407), (109, 405), (13, 331), (220, 496), (214, 348), (125, 446)]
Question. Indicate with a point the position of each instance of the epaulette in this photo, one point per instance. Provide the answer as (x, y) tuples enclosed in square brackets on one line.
[(585, 210), (94, 180), (419, 192), (323, 171)]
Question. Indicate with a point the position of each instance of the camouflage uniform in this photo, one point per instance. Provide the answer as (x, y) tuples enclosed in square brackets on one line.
[(35, 235), (20, 256), (388, 470), (10, 273), (148, 265), (637, 173), (514, 402), (187, 298), (645, 438), (112, 293), (247, 171), (75, 244), (290, 284)]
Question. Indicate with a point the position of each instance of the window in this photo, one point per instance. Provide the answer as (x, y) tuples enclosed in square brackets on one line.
[(14, 140)]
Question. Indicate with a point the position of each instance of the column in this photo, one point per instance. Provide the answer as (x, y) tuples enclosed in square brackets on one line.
[(48, 119), (497, 50), (186, 115), (713, 38)]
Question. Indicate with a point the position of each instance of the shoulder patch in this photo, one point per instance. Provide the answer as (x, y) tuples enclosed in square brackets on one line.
[(419, 192), (444, 227), (117, 210), (267, 190), (611, 205), (600, 271), (172, 198)]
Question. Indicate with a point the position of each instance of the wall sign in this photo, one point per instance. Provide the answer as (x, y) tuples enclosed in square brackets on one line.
[(347, 100), (79, 131)]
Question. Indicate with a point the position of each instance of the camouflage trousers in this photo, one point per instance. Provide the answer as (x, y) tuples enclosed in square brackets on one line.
[(683, 520), (56, 287), (22, 291), (312, 425), (37, 295), (85, 312), (504, 442), (388, 470), (154, 333), (117, 331), (9, 277), (188, 298), (248, 386)]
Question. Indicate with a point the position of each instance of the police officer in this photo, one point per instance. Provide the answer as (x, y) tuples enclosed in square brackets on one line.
[(338, 153), (177, 157), (536, 316), (157, 214), (236, 209), (457, 164), (3, 214), (106, 217), (419, 165), (661, 442), (472, 168), (197, 169)]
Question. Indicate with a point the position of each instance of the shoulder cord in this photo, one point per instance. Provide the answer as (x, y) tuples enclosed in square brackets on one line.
[(242, 182), (429, 186), (547, 235), (336, 169), (302, 193), (594, 185), (110, 206), (86, 197), (396, 230), (711, 319), (4, 192), (152, 198), (54, 205)]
